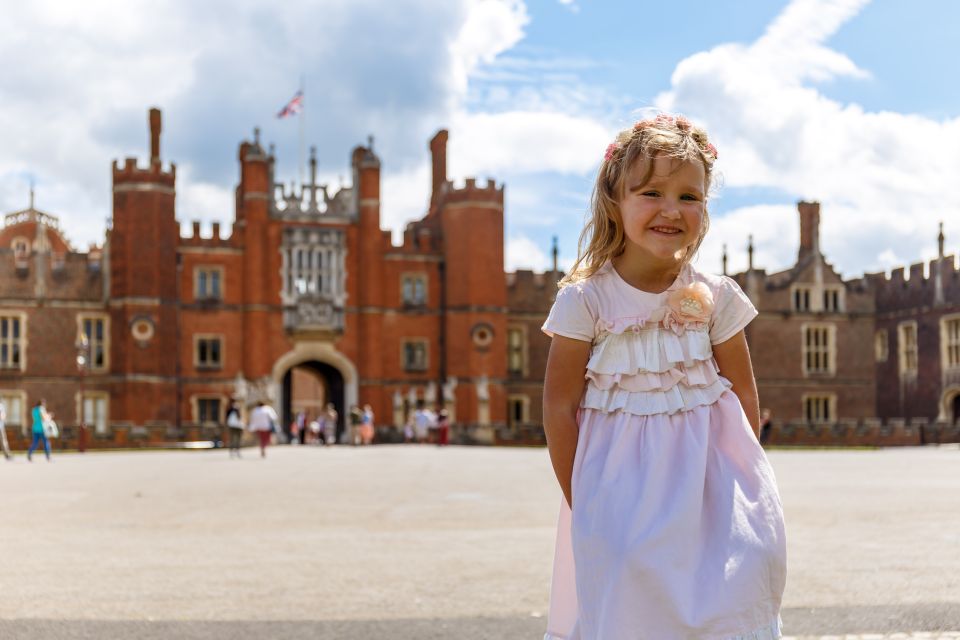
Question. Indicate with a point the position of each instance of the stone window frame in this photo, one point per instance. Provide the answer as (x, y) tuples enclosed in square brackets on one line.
[(795, 292), (839, 290), (195, 407), (21, 395), (414, 277), (82, 317), (207, 366), (881, 345), (94, 395), (829, 350), (950, 344), (20, 245), (201, 269), (524, 401), (21, 342), (829, 403), (412, 366), (903, 359), (522, 350)]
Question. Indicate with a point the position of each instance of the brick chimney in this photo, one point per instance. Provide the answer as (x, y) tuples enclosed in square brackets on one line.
[(809, 228), (155, 136), (438, 153)]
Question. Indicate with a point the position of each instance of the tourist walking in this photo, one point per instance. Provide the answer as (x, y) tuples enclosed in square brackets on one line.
[(356, 418), (330, 417), (651, 416), (443, 427), (3, 431), (263, 422), (367, 430), (40, 420), (423, 421), (234, 429)]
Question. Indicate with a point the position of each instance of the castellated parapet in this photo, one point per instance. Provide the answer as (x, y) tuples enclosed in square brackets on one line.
[(471, 192), (897, 291), (217, 240)]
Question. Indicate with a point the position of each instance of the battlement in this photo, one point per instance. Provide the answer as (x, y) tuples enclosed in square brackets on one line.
[(153, 173), (896, 289), (130, 172), (214, 241), (471, 191)]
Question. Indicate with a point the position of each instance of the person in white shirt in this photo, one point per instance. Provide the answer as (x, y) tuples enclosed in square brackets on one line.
[(263, 422), (234, 429), (3, 432), (423, 421)]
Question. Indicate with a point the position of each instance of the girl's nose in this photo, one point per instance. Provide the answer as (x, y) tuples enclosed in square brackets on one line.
[(671, 210)]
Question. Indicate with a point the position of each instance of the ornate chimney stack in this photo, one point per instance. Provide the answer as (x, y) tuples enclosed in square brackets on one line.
[(155, 128), (809, 228), (724, 259), (556, 254), (940, 240), (438, 153)]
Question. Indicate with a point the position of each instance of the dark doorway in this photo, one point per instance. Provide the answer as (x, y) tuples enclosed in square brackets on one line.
[(955, 418), (311, 385)]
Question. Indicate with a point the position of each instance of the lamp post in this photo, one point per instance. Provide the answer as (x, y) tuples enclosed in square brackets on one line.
[(83, 362)]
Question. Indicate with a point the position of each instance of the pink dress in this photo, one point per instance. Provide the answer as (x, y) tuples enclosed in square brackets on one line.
[(677, 528)]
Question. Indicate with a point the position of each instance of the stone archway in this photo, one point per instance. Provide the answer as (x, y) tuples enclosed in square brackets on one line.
[(950, 404), (323, 359)]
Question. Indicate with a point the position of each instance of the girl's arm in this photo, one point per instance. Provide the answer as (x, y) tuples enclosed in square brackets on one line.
[(562, 390), (733, 360)]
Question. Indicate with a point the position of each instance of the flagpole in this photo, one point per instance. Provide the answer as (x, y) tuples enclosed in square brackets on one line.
[(303, 110)]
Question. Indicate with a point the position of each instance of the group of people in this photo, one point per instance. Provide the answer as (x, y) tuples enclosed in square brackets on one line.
[(42, 429), (263, 422), (424, 425)]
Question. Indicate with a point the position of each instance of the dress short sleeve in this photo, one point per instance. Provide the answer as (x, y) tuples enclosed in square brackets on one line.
[(571, 315), (733, 311)]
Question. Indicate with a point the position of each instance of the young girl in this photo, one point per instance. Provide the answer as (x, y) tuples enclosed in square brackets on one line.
[(650, 410)]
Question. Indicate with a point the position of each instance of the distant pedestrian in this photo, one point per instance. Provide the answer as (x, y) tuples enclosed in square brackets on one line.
[(3, 432), (366, 425), (234, 429), (423, 421), (356, 418), (766, 425), (443, 427), (330, 417), (263, 422), (40, 420)]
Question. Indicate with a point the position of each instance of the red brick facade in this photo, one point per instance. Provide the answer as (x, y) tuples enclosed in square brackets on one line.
[(309, 287)]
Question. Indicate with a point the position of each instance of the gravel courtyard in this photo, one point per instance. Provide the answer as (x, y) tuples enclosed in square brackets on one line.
[(419, 542)]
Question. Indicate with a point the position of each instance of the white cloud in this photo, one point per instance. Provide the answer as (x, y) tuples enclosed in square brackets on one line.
[(884, 179), (523, 253)]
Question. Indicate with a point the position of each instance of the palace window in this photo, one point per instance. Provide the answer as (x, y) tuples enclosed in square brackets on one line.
[(413, 289), (819, 349), (208, 283), (95, 410), (208, 409), (96, 329), (518, 410), (881, 345), (208, 353), (833, 299), (950, 341), (414, 355), (516, 350), (12, 341), (907, 347), (820, 407), (801, 298), (14, 402)]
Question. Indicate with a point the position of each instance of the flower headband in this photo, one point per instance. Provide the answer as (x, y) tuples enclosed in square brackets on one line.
[(662, 120)]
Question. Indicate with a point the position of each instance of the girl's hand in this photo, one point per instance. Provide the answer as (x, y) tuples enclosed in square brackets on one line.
[(562, 390), (733, 360)]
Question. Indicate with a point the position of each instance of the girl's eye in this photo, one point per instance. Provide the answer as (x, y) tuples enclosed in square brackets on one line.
[(690, 197), (652, 194)]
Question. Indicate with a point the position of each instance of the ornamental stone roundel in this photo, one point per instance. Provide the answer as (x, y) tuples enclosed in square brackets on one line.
[(142, 329), (482, 335)]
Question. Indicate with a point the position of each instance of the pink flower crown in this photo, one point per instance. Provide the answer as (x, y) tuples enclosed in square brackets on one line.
[(661, 120)]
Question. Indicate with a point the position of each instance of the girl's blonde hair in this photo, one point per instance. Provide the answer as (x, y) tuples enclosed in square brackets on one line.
[(603, 238)]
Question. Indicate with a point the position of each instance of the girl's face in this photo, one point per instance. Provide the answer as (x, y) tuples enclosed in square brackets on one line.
[(662, 217)]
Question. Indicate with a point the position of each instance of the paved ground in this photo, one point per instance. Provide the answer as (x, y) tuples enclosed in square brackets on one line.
[(416, 542)]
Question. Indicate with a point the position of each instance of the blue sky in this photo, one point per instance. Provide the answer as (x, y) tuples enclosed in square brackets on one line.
[(849, 102)]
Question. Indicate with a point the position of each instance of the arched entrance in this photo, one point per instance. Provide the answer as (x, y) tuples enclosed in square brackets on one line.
[(308, 387), (950, 405), (322, 360)]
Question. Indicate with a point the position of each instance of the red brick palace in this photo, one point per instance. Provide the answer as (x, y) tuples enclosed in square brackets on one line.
[(308, 296)]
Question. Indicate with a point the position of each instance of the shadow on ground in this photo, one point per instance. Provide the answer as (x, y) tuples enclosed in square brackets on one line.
[(797, 622)]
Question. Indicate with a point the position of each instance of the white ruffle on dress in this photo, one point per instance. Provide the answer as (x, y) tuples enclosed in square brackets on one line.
[(677, 527)]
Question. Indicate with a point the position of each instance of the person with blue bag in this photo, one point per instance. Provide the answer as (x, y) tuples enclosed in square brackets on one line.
[(40, 420)]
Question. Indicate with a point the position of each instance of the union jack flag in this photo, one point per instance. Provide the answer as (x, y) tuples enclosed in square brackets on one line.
[(293, 107)]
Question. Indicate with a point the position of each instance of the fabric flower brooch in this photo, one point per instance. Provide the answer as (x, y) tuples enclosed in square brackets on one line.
[(690, 304)]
